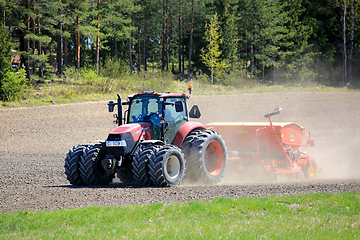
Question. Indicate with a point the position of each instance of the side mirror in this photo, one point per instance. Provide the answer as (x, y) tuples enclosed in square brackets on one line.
[(195, 112), (111, 105), (179, 106)]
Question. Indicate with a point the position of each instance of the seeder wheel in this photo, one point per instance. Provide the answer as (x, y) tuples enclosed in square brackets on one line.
[(310, 169)]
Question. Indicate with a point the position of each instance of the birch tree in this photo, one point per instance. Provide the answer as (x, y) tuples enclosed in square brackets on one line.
[(210, 55)]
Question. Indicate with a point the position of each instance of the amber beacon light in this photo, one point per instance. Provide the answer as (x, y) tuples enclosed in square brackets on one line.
[(190, 88)]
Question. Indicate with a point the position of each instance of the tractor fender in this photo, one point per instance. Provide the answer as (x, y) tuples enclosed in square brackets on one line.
[(184, 131)]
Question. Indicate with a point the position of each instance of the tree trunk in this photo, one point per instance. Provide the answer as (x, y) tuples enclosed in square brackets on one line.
[(66, 42), (274, 75), (263, 65), (77, 41), (163, 38), (34, 44), (251, 48), (351, 40), (180, 48), (183, 53), (144, 50), (167, 36), (60, 51), (139, 54), (344, 36), (191, 40), (27, 42), (247, 58), (116, 50), (98, 41), (263, 74), (212, 69), (66, 48), (41, 65), (130, 55)]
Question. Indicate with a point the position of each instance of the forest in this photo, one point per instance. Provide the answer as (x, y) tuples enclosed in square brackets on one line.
[(267, 41)]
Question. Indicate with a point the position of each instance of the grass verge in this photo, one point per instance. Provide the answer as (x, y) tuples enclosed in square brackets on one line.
[(304, 216)]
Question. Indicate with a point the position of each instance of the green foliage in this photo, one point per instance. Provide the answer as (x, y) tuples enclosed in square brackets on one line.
[(12, 84), (157, 81), (113, 78), (304, 216), (236, 79), (210, 55), (202, 77), (284, 41), (226, 10), (114, 68), (89, 81), (5, 49)]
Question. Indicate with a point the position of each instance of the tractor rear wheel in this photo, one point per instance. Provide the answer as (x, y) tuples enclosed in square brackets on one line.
[(141, 165), (72, 165), (167, 166), (91, 170), (310, 169), (206, 157)]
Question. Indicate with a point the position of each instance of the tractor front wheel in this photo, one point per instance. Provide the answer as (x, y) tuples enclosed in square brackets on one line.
[(72, 165), (91, 170), (206, 157), (141, 165), (167, 166)]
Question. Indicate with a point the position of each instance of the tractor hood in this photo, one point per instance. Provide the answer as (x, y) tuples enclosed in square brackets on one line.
[(133, 130), (122, 140)]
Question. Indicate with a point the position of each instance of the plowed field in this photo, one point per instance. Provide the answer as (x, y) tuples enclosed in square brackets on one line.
[(34, 141)]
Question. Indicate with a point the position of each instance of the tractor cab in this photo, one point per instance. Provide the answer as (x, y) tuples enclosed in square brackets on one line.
[(166, 113)]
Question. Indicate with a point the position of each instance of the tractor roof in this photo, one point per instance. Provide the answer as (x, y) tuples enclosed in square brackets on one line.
[(163, 95)]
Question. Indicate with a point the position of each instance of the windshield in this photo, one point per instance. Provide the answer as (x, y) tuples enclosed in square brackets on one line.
[(144, 108)]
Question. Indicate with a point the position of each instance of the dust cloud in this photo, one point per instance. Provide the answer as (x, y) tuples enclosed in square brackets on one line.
[(331, 117)]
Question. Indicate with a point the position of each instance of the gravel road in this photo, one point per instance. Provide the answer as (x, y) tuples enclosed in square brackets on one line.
[(34, 141)]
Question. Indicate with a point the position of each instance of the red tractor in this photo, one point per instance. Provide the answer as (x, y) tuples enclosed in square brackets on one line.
[(153, 144)]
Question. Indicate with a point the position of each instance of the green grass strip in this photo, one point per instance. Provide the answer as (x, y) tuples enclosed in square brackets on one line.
[(305, 216)]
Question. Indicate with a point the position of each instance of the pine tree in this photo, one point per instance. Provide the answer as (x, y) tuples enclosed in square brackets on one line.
[(226, 10), (191, 39), (117, 24)]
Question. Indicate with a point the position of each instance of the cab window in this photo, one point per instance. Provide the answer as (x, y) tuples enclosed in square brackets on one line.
[(173, 119), (142, 106), (170, 110)]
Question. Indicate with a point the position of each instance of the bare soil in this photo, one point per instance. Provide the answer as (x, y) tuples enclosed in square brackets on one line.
[(34, 142)]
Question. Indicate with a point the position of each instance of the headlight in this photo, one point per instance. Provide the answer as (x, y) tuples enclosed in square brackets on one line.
[(121, 143)]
